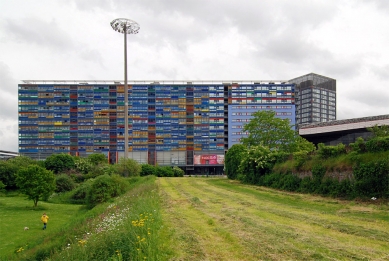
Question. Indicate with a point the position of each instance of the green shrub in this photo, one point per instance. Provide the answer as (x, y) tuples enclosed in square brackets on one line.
[(372, 179), (345, 189), (281, 156), (64, 183), (59, 162), (2, 187), (128, 168), (378, 144), (165, 171), (326, 152), (257, 162), (122, 185), (232, 160), (79, 195), (307, 185), (328, 187), (290, 182), (83, 165), (105, 187), (147, 169), (178, 172), (300, 158), (270, 180), (358, 146)]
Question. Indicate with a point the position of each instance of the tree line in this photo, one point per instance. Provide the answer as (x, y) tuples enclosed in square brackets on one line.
[(274, 155), (91, 180)]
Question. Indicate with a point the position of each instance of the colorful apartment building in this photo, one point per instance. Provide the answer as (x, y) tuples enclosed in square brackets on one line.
[(185, 124)]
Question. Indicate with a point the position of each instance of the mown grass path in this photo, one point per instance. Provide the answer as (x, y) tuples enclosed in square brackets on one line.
[(220, 219)]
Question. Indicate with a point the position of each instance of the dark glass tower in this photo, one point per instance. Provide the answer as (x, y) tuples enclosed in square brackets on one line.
[(315, 99)]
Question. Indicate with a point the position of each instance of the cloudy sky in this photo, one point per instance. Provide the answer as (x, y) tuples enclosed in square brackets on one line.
[(347, 40)]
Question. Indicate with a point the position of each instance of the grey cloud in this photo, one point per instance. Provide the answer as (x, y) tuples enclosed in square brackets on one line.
[(9, 137), (92, 55), (370, 96), (6, 79), (92, 5), (8, 98), (382, 72), (336, 67), (33, 30)]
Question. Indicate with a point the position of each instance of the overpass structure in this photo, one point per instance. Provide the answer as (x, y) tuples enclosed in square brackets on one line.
[(342, 131), (7, 154)]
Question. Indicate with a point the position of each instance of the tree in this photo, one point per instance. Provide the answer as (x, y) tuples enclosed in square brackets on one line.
[(256, 162), (98, 158), (128, 168), (9, 168), (59, 162), (233, 158), (267, 130), (36, 182)]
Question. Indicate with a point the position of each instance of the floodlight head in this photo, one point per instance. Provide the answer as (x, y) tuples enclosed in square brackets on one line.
[(125, 26)]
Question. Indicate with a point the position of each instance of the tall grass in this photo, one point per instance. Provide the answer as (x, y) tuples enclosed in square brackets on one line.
[(128, 228), (344, 162)]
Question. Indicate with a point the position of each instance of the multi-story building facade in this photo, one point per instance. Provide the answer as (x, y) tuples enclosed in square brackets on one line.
[(315, 99), (185, 124)]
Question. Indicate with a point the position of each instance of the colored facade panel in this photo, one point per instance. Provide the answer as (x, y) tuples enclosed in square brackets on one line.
[(247, 99), (169, 123)]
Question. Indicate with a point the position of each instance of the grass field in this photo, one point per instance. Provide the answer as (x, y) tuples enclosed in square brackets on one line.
[(198, 219), (219, 219), (16, 213)]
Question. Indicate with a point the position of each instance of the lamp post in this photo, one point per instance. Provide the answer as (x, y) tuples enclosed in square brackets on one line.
[(125, 26)]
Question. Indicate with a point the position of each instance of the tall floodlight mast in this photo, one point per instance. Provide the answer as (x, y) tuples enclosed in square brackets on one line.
[(125, 26)]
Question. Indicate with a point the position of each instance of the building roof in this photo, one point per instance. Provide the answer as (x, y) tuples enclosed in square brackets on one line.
[(118, 82), (311, 75), (347, 124)]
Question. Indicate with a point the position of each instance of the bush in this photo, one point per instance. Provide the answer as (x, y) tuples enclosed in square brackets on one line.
[(326, 152), (104, 188), (64, 183), (147, 169), (328, 187), (258, 162), (97, 158), (178, 172), (307, 185), (378, 144), (290, 182), (59, 162), (359, 145), (2, 187), (281, 156), (80, 194), (372, 179), (300, 158), (165, 171), (232, 160), (270, 180), (345, 189), (122, 185), (128, 168)]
